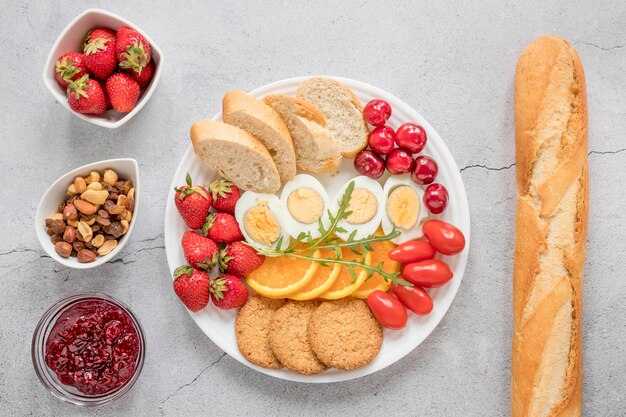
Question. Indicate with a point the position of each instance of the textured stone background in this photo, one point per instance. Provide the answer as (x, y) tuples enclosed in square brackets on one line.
[(453, 62)]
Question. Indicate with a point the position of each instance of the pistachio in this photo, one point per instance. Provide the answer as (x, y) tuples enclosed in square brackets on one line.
[(107, 247), (96, 185), (95, 197), (85, 207), (84, 232), (125, 226), (64, 249), (97, 241), (110, 176), (86, 256)]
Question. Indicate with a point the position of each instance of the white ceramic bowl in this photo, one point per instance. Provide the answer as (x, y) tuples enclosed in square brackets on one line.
[(72, 38), (126, 168), (219, 325)]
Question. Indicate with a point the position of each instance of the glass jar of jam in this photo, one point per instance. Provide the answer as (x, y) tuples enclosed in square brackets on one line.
[(88, 349)]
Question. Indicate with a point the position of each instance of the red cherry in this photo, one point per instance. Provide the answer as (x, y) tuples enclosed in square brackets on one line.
[(369, 164), (381, 140), (425, 170), (436, 198), (399, 161), (377, 112), (411, 137)]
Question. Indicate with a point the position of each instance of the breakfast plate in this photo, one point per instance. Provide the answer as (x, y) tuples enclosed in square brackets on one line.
[(219, 325)]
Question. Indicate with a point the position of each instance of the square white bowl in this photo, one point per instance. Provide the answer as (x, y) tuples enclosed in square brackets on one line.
[(126, 168), (72, 38)]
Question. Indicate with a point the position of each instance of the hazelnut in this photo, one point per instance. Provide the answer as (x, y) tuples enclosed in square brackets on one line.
[(80, 185)]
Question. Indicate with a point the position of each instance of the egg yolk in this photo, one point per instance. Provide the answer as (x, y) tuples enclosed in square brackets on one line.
[(403, 207), (305, 205), (363, 206), (261, 224)]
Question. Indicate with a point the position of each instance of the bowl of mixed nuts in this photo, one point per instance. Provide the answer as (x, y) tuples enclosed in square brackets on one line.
[(87, 215)]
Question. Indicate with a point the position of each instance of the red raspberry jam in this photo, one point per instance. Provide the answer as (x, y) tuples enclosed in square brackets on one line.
[(93, 347)]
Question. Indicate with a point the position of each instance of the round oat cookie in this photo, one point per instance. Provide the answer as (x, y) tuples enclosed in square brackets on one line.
[(344, 334), (289, 338), (252, 327)]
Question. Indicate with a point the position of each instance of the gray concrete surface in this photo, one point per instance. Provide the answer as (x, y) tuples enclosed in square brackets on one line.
[(454, 62)]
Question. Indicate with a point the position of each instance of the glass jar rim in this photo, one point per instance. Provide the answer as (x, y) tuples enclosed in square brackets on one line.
[(50, 380)]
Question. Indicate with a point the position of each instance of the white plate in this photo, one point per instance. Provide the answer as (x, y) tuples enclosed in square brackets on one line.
[(219, 325)]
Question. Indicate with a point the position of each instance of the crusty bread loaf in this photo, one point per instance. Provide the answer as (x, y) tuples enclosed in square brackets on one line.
[(343, 112), (551, 230), (236, 155), (262, 122), (316, 149)]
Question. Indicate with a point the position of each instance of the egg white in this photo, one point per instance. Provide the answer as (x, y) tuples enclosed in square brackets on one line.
[(293, 226), (249, 200), (414, 232), (366, 229)]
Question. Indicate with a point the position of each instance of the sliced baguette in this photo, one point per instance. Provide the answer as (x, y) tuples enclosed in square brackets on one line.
[(262, 122), (342, 110), (236, 155), (316, 149)]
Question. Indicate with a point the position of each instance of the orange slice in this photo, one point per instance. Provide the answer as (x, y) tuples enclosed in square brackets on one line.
[(321, 281), (345, 285), (282, 275), (376, 281)]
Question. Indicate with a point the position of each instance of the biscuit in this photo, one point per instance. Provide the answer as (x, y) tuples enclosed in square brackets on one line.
[(252, 327), (344, 334), (289, 338)]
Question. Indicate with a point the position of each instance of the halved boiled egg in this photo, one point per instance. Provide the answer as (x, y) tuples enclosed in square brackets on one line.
[(366, 204), (403, 208), (260, 217), (306, 203)]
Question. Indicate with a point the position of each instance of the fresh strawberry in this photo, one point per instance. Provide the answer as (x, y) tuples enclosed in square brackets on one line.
[(123, 91), (225, 195), (145, 77), (70, 67), (227, 292), (239, 259), (86, 96), (222, 228), (193, 203), (99, 50), (200, 251), (132, 50), (192, 287), (103, 85)]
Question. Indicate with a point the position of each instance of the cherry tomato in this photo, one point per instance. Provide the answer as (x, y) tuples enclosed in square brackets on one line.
[(444, 237), (414, 298), (431, 273), (412, 251), (389, 312)]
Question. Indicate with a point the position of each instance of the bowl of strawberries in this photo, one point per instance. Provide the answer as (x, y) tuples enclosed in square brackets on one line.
[(103, 68)]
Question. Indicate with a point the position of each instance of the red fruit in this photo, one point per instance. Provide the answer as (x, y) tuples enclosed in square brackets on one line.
[(145, 77), (99, 50), (389, 312), (444, 237), (123, 92), (227, 292), (103, 85), (239, 259), (430, 274), (86, 96), (436, 198), (192, 287), (222, 228), (377, 112), (411, 137), (414, 298), (200, 251), (412, 251), (425, 170), (193, 203), (399, 161), (70, 67), (132, 50), (381, 140), (369, 164), (225, 195)]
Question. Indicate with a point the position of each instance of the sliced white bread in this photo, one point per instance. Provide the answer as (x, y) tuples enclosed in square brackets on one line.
[(316, 149), (343, 112), (236, 155), (262, 122)]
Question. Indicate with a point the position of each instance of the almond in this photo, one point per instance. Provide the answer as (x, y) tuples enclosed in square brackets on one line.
[(84, 207)]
